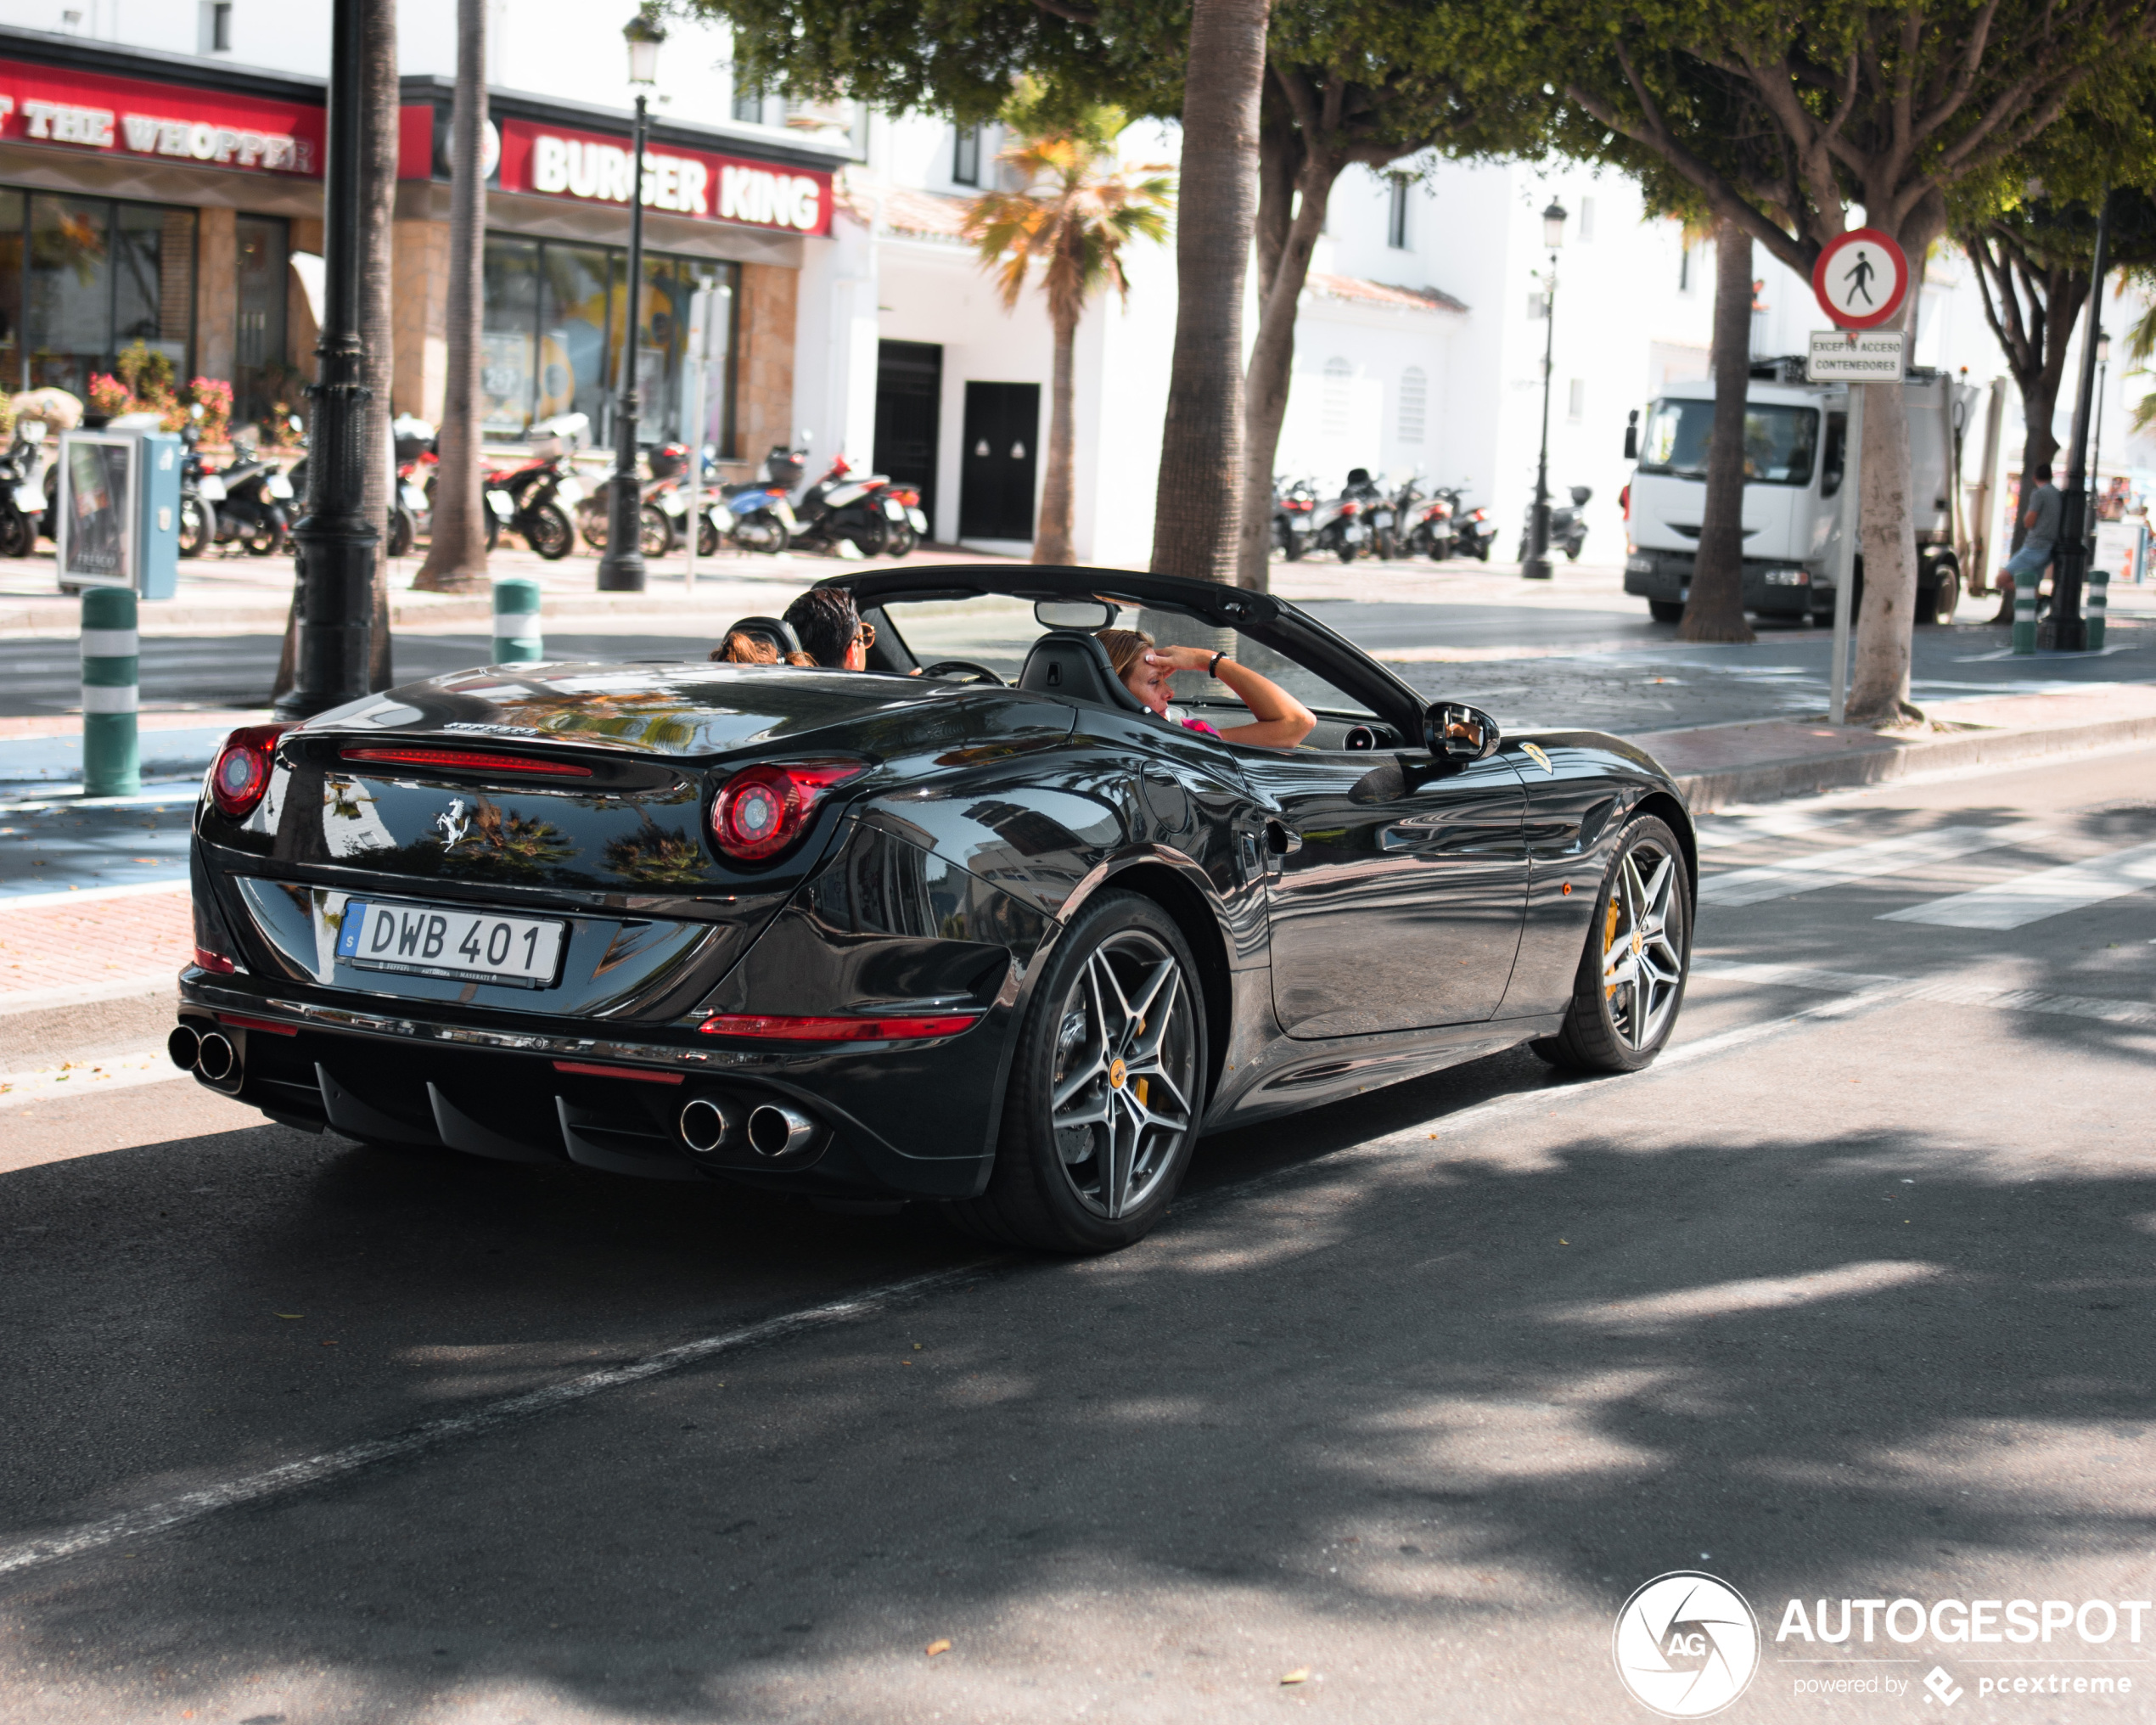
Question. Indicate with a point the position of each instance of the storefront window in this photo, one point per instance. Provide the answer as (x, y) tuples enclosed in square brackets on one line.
[(263, 376), (509, 334), (11, 220), (101, 277), (554, 339)]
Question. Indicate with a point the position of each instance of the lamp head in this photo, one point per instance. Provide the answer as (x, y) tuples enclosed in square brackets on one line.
[(643, 37), (2103, 348), (1553, 224)]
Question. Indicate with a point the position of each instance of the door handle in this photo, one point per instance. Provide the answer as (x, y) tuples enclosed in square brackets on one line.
[(1282, 840)]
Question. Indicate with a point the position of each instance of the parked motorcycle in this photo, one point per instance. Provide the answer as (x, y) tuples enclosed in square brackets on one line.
[(1568, 526), (1338, 525), (246, 501), (412, 498), (1394, 521), (846, 507), (1429, 532), (1294, 503), (22, 490), (763, 519), (1473, 531)]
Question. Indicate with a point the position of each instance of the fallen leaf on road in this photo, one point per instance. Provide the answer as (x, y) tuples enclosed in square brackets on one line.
[(936, 1646), (288, 1314), (1300, 1675)]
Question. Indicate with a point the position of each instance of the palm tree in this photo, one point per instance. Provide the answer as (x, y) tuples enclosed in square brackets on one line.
[(1076, 209)]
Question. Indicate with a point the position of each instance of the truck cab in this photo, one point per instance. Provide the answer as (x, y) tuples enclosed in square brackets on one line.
[(1793, 437)]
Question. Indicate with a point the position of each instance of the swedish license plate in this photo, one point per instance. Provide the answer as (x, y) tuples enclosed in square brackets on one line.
[(437, 941)]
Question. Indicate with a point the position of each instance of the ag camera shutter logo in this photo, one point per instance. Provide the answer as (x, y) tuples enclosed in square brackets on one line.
[(1687, 1644)]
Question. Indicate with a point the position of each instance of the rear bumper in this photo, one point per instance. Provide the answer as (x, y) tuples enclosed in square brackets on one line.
[(910, 1119), (1769, 589)]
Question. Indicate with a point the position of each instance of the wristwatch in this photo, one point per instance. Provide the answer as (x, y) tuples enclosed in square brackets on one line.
[(1215, 666)]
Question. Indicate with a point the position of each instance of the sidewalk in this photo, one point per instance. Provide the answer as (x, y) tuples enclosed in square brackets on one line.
[(98, 938)]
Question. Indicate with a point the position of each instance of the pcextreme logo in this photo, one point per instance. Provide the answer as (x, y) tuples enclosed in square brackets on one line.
[(1687, 1644)]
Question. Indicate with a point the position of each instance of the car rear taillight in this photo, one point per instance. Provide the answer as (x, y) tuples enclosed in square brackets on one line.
[(242, 773), (468, 761), (761, 810)]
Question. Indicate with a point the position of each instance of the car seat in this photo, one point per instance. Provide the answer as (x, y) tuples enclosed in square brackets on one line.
[(1073, 667)]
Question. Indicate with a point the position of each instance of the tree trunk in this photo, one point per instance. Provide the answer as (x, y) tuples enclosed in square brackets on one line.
[(377, 203), (1052, 538), (1716, 610), (377, 291), (457, 553), (1273, 360), (1197, 499)]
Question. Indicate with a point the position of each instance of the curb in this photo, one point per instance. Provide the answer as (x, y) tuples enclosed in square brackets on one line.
[(1767, 781)]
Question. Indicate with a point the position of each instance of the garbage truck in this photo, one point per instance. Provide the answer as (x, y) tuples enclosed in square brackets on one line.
[(1794, 434)]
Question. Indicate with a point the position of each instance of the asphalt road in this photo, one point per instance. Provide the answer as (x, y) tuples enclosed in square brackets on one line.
[(1848, 1297)]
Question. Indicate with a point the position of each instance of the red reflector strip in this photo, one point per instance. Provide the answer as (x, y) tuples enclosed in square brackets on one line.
[(205, 959), (636, 1073), (258, 1024), (468, 760), (839, 1030)]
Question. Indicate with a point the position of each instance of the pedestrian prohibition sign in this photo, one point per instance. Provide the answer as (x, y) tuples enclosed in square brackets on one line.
[(1861, 279)]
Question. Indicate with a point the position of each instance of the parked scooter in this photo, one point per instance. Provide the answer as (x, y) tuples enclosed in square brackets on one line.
[(533, 500), (1568, 526), (22, 489), (844, 507), (1473, 531), (1429, 532), (1395, 519), (247, 502), (763, 519), (1294, 503), (1338, 525)]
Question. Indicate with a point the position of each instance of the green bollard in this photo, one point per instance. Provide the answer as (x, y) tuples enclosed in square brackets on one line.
[(516, 637), (2025, 612), (112, 761), (2095, 604)]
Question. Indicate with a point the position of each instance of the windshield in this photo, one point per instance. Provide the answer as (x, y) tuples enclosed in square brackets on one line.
[(997, 631), (1779, 441)]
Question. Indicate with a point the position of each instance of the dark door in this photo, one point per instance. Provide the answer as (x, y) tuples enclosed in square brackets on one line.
[(995, 478), (1399, 901), (909, 413)]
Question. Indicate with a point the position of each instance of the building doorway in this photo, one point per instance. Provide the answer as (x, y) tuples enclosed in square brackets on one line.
[(263, 377), (995, 477), (909, 415)]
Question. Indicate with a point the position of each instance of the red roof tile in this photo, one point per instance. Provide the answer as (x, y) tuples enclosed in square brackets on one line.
[(1382, 294)]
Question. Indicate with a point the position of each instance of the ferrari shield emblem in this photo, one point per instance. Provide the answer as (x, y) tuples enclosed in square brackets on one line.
[(1539, 758)]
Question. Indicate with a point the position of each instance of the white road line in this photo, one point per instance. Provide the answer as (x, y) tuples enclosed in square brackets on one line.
[(1786, 975), (248, 1488), (23, 1000), (1851, 862), (1732, 826), (2009, 904), (89, 895)]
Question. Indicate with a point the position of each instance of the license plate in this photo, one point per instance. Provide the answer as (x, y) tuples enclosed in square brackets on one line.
[(1298, 524), (429, 940), (920, 519), (1382, 519), (501, 504), (569, 492), (30, 499), (211, 489), (1354, 531), (1640, 565), (673, 502), (280, 487)]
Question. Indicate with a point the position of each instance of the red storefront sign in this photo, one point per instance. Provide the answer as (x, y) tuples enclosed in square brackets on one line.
[(592, 169), (134, 117)]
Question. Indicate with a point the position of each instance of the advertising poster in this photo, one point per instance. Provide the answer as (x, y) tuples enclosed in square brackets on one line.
[(97, 501)]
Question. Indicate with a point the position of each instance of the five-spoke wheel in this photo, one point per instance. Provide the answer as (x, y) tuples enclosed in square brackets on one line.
[(1630, 980)]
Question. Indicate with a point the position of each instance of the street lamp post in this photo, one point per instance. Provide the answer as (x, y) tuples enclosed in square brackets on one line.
[(622, 570), (2067, 631), (1538, 566), (2095, 433), (336, 541)]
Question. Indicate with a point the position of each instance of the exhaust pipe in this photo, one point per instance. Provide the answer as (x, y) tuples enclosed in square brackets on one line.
[(709, 1124), (776, 1130), (216, 1058), (184, 1045)]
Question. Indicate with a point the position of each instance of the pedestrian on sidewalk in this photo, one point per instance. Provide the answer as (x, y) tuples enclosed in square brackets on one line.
[(2041, 518)]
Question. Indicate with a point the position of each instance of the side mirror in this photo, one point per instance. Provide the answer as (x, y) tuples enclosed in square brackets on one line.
[(1453, 731), (1631, 435)]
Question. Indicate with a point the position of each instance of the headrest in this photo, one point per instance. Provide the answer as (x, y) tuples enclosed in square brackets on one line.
[(775, 631), (1072, 667)]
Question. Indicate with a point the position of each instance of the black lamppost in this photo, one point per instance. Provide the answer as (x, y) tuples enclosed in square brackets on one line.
[(2067, 632), (336, 542), (2096, 435), (622, 570), (1538, 566)]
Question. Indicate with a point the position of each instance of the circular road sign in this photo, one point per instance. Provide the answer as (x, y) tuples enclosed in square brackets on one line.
[(1861, 279)]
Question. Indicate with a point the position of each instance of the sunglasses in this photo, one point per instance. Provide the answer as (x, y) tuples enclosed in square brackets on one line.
[(868, 635)]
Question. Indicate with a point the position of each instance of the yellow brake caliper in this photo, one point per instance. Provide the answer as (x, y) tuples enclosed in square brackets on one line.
[(1610, 940)]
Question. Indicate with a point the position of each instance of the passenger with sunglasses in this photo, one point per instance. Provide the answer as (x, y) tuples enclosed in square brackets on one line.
[(828, 627)]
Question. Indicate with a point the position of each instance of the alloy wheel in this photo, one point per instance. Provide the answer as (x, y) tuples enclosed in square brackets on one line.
[(1126, 1069), (1642, 970)]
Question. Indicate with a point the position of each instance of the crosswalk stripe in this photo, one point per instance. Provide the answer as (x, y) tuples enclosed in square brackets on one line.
[(1851, 862), (2009, 904)]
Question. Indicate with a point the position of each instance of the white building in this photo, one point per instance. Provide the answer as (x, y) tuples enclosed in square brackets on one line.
[(872, 330)]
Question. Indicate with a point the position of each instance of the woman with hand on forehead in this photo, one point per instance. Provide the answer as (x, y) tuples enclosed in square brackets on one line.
[(1279, 720)]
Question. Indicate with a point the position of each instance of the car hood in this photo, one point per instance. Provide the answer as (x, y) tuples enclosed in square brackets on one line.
[(687, 711)]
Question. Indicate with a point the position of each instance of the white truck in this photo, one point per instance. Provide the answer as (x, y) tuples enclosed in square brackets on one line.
[(1793, 435)]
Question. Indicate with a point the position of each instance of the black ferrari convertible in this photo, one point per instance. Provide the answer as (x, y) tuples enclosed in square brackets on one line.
[(972, 925)]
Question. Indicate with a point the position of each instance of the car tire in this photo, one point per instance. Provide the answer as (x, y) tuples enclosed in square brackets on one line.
[(1096, 1032), (1629, 985), (1935, 603), (1666, 611)]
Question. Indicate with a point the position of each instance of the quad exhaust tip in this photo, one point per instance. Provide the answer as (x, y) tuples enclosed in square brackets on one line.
[(708, 1123), (215, 1057), (184, 1045), (776, 1130), (712, 1126)]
